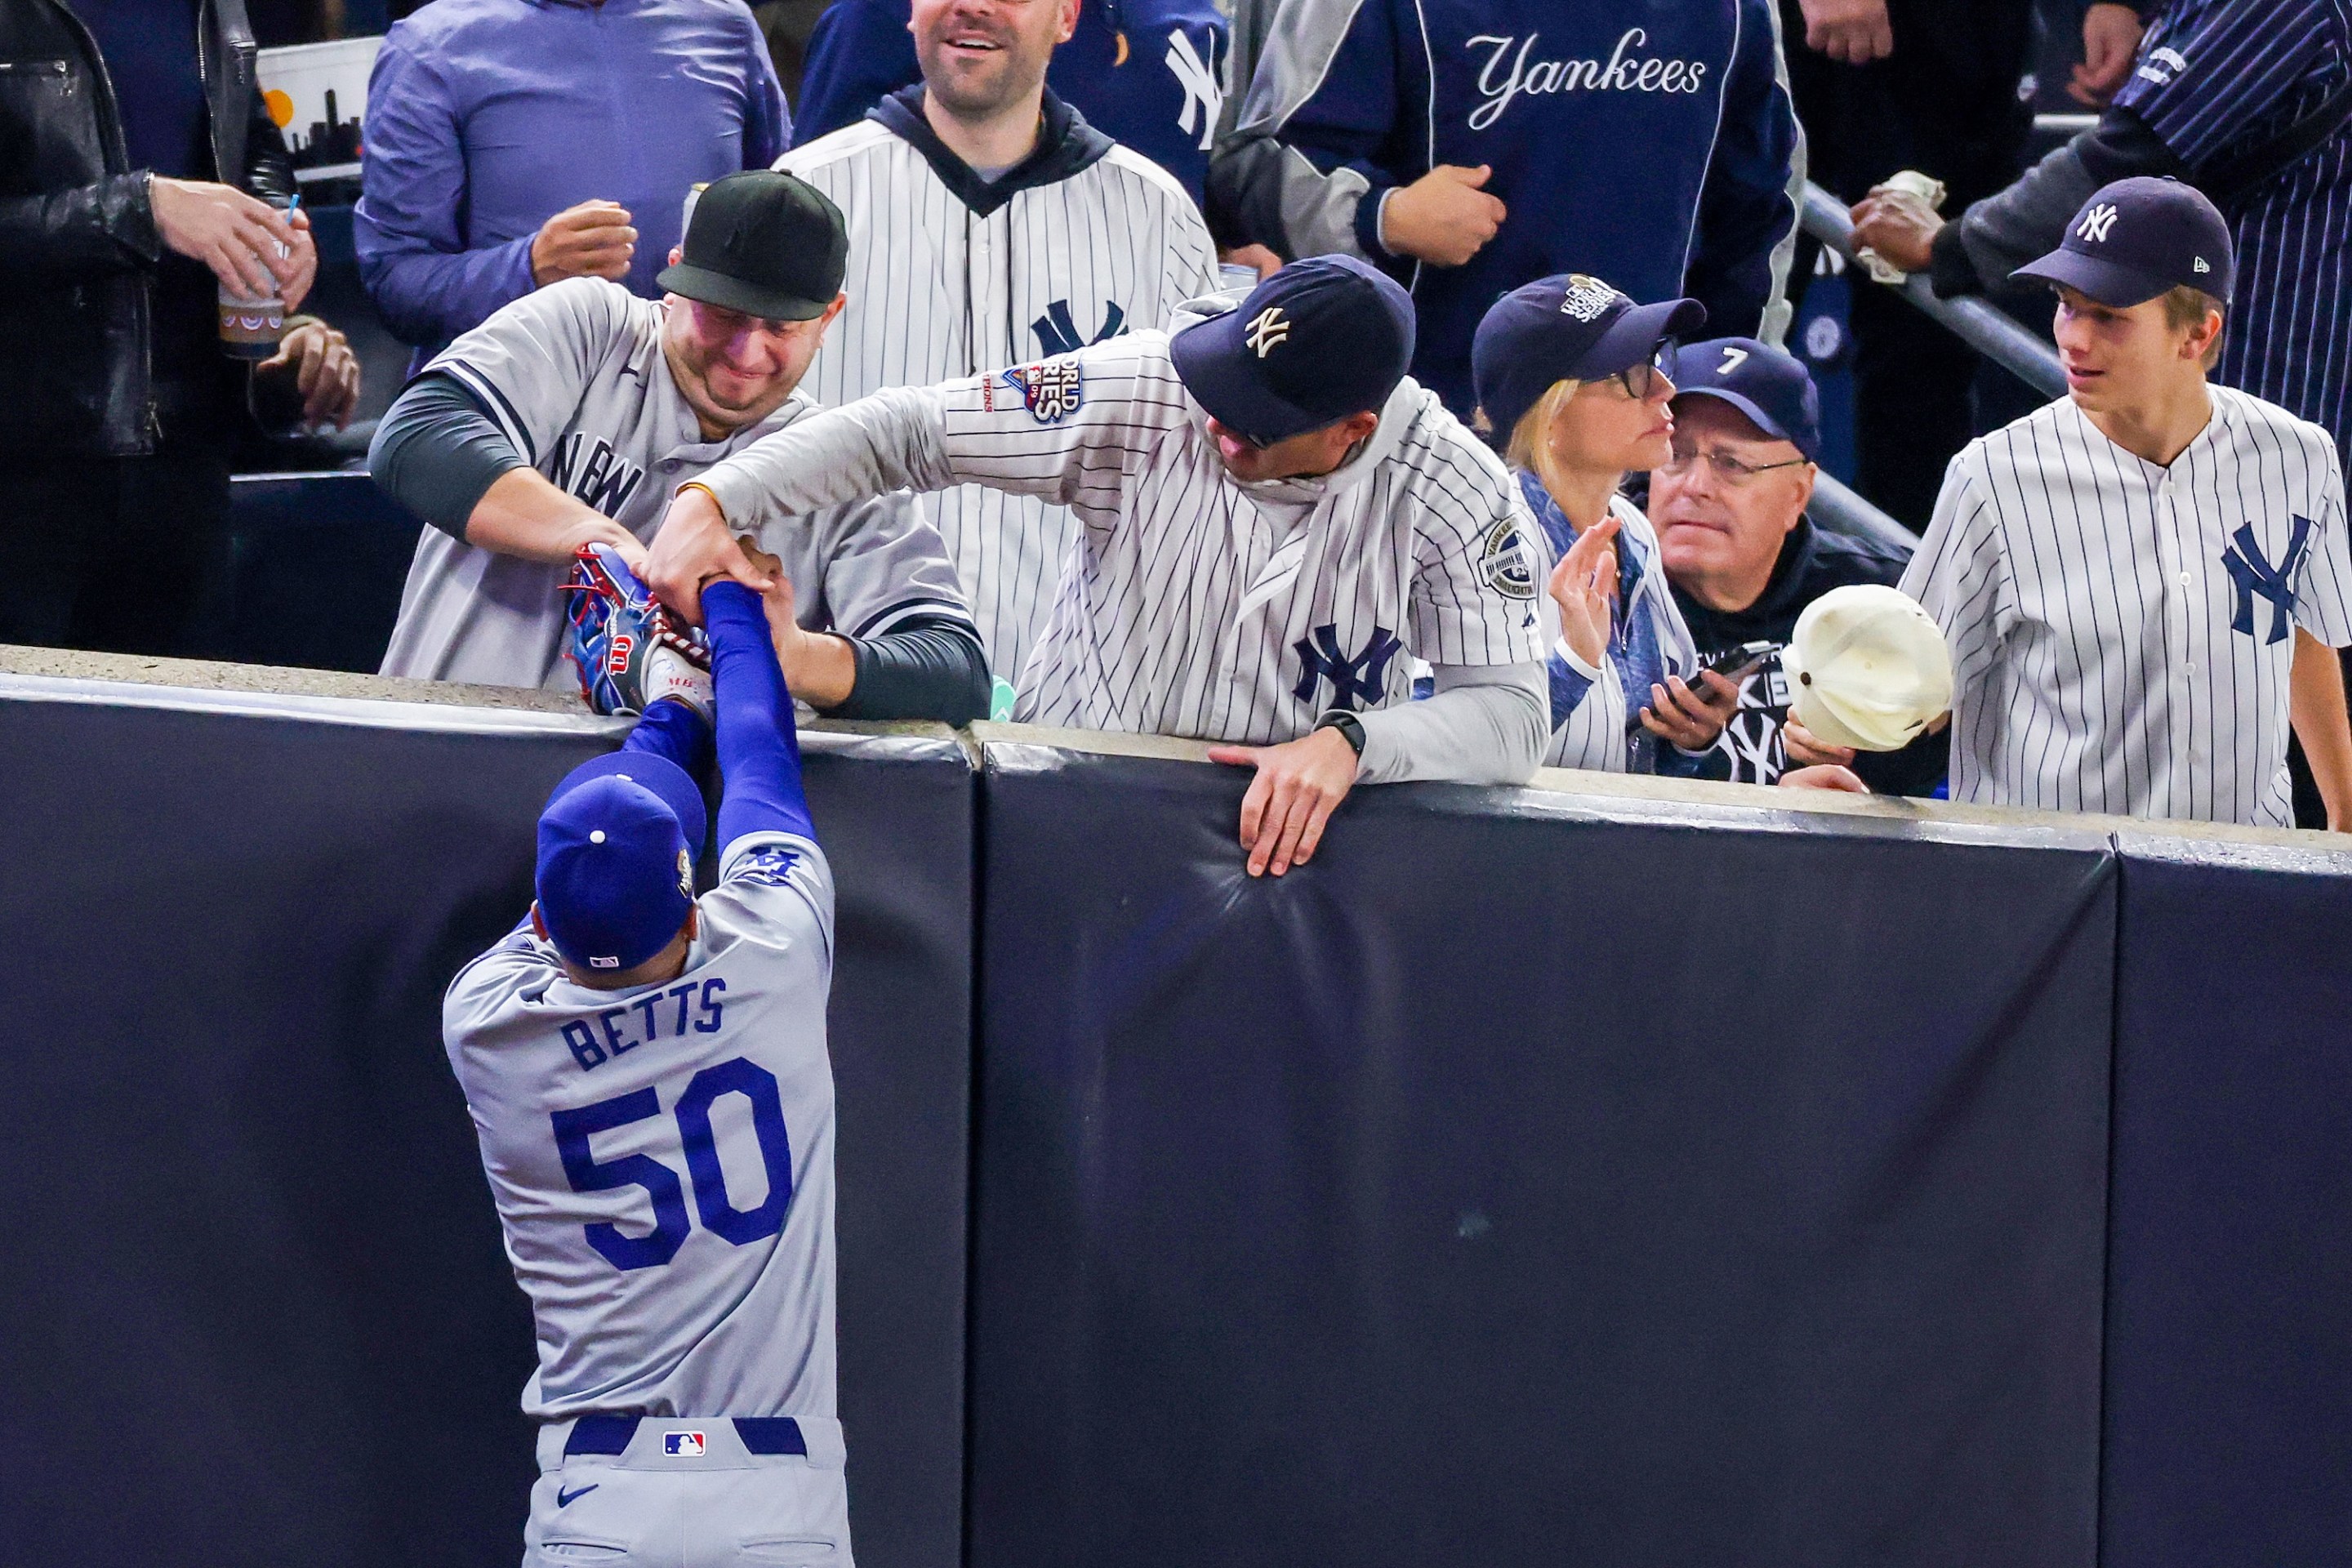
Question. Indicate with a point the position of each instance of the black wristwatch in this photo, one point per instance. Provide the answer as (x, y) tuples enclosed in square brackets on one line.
[(1350, 730)]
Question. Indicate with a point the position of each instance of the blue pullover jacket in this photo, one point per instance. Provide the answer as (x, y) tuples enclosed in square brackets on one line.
[(1649, 142)]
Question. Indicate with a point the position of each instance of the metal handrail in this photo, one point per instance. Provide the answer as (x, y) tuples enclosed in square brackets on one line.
[(1975, 322), (1841, 510)]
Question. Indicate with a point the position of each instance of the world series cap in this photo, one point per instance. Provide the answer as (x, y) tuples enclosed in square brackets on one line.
[(2140, 237), (1868, 667), (1770, 385), (766, 244), (617, 843), (1567, 327), (1321, 339)]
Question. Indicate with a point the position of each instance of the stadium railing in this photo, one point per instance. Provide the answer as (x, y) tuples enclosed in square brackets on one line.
[(1982, 326)]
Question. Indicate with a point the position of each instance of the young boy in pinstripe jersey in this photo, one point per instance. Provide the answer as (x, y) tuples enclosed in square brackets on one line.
[(2140, 582)]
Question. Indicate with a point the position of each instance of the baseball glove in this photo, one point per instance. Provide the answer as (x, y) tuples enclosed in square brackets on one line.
[(630, 652)]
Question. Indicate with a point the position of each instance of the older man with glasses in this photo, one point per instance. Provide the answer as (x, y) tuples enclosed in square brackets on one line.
[(1743, 559)]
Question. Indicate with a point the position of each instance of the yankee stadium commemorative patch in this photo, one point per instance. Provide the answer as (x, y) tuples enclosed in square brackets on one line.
[(1506, 563), (1051, 391)]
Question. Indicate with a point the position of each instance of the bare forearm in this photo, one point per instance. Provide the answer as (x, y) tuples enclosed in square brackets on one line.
[(522, 514), (821, 667), (2315, 703)]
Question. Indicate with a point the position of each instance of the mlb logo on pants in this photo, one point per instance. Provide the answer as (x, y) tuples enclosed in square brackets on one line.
[(682, 1444)]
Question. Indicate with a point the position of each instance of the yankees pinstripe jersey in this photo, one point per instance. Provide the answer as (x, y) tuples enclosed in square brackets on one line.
[(951, 275), (2214, 77), (573, 375), (1195, 605), (2122, 633)]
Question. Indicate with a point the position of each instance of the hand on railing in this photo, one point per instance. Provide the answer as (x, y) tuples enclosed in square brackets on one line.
[(1898, 225)]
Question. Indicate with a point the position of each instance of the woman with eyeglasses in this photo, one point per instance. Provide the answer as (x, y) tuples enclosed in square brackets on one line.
[(1573, 388)]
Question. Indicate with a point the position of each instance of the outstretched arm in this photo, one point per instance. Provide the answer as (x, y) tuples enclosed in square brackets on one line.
[(759, 748)]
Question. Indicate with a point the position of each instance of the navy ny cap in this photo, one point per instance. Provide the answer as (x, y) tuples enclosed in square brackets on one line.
[(1567, 327), (2140, 237), (1770, 385), (1321, 339), (617, 843)]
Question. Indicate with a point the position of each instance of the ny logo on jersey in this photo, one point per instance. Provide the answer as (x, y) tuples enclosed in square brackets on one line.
[(2254, 577), (603, 483), (1204, 97), (1269, 328), (1051, 391), (1058, 332), (1360, 680), (2096, 223), (1752, 741)]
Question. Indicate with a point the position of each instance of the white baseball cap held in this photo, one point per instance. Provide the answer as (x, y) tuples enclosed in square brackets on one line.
[(1868, 668)]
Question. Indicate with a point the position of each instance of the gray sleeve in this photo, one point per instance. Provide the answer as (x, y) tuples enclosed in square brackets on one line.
[(874, 563), (2001, 233), (1486, 724), (1262, 191), (437, 452), (893, 440)]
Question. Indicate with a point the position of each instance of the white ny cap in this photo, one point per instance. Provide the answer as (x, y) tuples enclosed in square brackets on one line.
[(1868, 667)]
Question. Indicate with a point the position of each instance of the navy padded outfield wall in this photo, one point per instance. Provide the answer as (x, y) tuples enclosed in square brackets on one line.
[(1438, 1205), (2229, 1316), (256, 1310)]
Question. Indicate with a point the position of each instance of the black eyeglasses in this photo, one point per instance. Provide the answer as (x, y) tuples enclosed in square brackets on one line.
[(1727, 468), (1640, 380)]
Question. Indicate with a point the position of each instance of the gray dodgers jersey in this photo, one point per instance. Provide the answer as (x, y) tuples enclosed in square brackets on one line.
[(2122, 633), (662, 1158), (1198, 605), (575, 376), (937, 291)]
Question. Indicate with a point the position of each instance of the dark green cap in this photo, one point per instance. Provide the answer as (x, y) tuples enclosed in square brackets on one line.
[(766, 244)]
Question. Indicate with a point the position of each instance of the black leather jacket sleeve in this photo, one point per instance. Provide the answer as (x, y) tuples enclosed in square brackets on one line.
[(106, 226)]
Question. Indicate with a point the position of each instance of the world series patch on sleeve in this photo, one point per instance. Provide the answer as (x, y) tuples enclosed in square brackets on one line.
[(1051, 390)]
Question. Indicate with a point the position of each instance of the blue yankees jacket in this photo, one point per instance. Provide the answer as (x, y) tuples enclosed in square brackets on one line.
[(1649, 142), (1160, 92)]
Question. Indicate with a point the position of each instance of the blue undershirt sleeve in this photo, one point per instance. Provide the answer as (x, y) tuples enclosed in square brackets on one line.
[(674, 732), (758, 746)]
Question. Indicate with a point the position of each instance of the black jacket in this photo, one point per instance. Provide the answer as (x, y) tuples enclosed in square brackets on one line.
[(1811, 562), (77, 242)]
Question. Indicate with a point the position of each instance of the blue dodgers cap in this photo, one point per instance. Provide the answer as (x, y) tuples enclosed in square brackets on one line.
[(2140, 237), (1770, 387), (1567, 327), (617, 843), (1321, 339)]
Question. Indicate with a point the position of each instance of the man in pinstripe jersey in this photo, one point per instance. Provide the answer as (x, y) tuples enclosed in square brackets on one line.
[(1276, 522), (2138, 581), (989, 224)]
